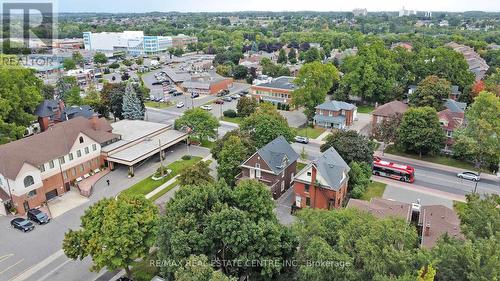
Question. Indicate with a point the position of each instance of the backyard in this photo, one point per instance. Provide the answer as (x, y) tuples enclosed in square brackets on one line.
[(365, 109), (374, 190)]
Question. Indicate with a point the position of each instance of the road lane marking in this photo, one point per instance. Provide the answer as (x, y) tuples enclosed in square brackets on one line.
[(54, 270), (4, 257), (32, 270), (11, 266)]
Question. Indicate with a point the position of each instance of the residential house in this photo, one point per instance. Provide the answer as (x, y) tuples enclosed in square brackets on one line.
[(335, 114), (50, 112), (387, 110), (277, 91), (406, 45), (38, 168), (322, 183), (274, 165), (451, 119), (431, 221), (455, 93)]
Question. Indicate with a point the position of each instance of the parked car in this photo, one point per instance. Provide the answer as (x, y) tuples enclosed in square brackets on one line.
[(206, 107), (22, 224), (176, 94), (194, 95), (227, 98), (38, 216), (235, 96), (301, 139), (180, 104), (219, 102), (468, 175)]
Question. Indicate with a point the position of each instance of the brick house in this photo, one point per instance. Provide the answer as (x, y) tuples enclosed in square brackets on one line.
[(50, 112), (323, 182), (335, 114), (274, 165), (277, 91), (36, 169), (387, 111), (451, 119)]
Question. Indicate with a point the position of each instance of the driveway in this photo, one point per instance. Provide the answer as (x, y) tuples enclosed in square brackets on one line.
[(283, 207), (362, 124), (295, 118)]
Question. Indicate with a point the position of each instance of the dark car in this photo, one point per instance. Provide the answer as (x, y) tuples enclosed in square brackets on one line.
[(227, 98), (22, 224), (38, 216), (194, 95), (176, 94), (219, 102)]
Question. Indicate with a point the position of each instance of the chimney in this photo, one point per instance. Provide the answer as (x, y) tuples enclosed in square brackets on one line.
[(313, 182), (427, 230), (93, 121), (59, 113)]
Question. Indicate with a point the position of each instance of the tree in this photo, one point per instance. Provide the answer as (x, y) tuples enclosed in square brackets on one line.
[(231, 156), (224, 70), (311, 55), (19, 96), (432, 91), (266, 124), (93, 99), (201, 123), (350, 145), (313, 82), (420, 131), (273, 70), (69, 64), (64, 85), (240, 72), (359, 178), (246, 106), (479, 141), (125, 76), (48, 91), (292, 56), (108, 239), (100, 58), (77, 58), (198, 174), (282, 58), (198, 268), (480, 217), (426, 273), (73, 97), (131, 107), (224, 224), (387, 130), (243, 136)]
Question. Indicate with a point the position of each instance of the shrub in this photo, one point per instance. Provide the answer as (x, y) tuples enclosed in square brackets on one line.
[(114, 65), (230, 113), (186, 157)]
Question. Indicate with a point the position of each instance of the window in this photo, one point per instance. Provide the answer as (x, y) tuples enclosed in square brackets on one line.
[(1, 183), (449, 134), (70, 156), (86, 150), (282, 186), (61, 160), (28, 181), (94, 147), (65, 174), (330, 113), (81, 139), (78, 153), (51, 164), (308, 201), (306, 188), (308, 174), (42, 168), (257, 170), (32, 193)]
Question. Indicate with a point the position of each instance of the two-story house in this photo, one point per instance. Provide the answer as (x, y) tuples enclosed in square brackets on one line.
[(277, 91), (50, 112), (323, 182), (36, 169), (387, 111), (274, 165), (335, 115), (451, 119)]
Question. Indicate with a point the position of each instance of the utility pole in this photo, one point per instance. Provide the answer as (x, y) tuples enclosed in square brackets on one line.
[(161, 158)]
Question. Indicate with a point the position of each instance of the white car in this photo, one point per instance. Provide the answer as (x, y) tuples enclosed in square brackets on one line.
[(180, 104), (206, 107), (473, 176)]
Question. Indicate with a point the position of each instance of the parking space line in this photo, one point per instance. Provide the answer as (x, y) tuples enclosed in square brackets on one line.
[(11, 266), (4, 257)]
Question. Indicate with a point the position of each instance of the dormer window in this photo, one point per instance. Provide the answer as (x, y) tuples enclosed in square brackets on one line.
[(28, 181), (81, 139)]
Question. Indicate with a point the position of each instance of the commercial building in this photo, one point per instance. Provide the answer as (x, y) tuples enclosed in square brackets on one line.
[(182, 41), (206, 84), (129, 42), (277, 91)]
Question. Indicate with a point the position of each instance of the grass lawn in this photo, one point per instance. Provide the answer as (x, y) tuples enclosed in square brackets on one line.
[(208, 144), (163, 191), (147, 185), (438, 159), (236, 120), (143, 270), (365, 109), (311, 133), (459, 206), (374, 190), (300, 166), (160, 105)]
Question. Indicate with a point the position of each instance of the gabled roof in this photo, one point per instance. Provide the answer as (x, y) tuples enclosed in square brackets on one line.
[(51, 144), (454, 119), (455, 106), (46, 108), (275, 152), (336, 106), (440, 220), (77, 111), (390, 109)]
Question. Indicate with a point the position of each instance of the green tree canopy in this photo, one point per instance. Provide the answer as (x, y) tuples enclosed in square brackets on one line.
[(432, 91), (201, 123), (313, 82), (282, 58), (73, 97), (100, 58), (246, 106), (350, 145), (198, 174), (243, 136), (420, 131), (233, 153), (109, 239), (131, 106), (69, 64)]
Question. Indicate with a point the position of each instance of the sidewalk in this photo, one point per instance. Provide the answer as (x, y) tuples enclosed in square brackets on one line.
[(320, 138)]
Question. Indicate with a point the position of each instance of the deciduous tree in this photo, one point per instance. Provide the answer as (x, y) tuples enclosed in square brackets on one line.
[(202, 124), (246, 106), (100, 58), (231, 156), (350, 145), (198, 174), (432, 91)]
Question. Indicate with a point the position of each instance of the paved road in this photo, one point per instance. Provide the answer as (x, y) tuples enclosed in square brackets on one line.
[(37, 255)]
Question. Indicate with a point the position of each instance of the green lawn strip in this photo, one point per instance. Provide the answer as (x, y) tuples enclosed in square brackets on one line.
[(300, 166), (459, 206), (438, 159), (161, 105), (147, 185), (145, 270), (365, 109), (236, 120), (163, 191), (374, 190), (311, 133)]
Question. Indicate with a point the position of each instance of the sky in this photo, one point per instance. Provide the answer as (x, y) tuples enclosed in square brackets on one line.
[(138, 6)]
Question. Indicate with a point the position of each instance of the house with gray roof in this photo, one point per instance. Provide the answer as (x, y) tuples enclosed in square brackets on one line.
[(274, 165), (323, 182), (50, 112), (335, 114), (277, 91)]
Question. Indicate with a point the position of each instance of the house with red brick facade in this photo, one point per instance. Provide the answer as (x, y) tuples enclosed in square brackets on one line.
[(274, 165), (50, 112), (277, 91), (335, 114), (451, 119), (38, 168), (322, 183)]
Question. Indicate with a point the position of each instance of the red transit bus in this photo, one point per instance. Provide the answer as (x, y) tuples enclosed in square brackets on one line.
[(392, 170)]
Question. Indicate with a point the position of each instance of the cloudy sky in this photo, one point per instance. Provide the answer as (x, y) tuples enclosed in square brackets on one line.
[(272, 5)]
